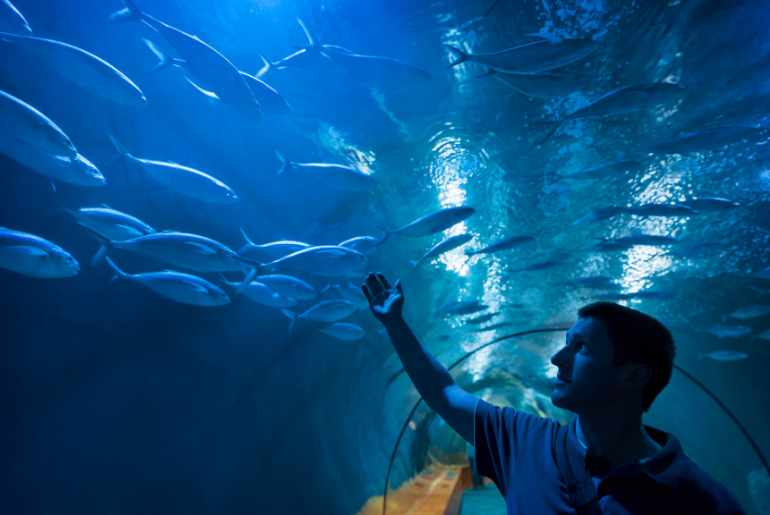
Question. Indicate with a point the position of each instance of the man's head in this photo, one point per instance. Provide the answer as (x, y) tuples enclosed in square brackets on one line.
[(612, 355)]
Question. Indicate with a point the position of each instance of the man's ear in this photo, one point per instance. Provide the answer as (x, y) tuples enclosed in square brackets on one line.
[(636, 374)]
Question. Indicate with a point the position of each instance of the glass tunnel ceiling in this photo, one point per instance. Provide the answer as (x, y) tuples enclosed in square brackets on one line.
[(121, 395)]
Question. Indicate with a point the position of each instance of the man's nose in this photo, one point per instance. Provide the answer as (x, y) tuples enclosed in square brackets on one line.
[(558, 358)]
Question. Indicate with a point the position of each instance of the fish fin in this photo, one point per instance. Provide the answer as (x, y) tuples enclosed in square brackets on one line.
[(200, 288), (285, 164), (201, 89), (311, 41), (129, 13), (204, 249), (53, 186), (414, 262), (119, 274), (163, 60), (246, 237), (292, 321), (460, 55), (118, 146), (266, 65), (246, 280)]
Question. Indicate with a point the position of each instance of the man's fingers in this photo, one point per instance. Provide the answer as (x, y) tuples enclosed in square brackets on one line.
[(367, 294), (373, 284), (383, 281)]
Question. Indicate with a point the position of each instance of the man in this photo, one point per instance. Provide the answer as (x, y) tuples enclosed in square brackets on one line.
[(614, 363)]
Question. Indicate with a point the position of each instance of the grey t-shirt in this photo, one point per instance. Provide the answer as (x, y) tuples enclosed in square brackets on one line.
[(526, 455)]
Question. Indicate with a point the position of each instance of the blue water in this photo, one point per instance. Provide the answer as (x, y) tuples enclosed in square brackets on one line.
[(117, 400)]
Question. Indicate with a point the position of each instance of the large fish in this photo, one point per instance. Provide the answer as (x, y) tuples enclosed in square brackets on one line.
[(267, 96), (184, 250), (321, 260), (445, 245), (435, 222), (329, 311), (374, 68), (35, 141), (637, 238), (344, 331), (709, 139), (267, 252), (538, 85), (205, 67), (177, 286), (76, 170), (88, 71), (629, 99), (289, 286), (110, 223), (32, 255), (329, 174), (11, 19), (504, 244), (23, 124), (533, 57), (364, 244), (182, 179), (261, 293)]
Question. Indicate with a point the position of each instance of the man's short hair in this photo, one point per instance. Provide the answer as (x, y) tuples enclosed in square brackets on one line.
[(637, 338)]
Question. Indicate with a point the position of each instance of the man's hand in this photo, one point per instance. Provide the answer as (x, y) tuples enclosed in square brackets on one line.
[(385, 301)]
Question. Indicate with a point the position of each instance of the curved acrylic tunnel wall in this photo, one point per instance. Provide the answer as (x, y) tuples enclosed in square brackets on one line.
[(118, 400)]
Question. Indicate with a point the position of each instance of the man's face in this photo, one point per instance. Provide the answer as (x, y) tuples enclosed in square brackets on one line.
[(587, 379)]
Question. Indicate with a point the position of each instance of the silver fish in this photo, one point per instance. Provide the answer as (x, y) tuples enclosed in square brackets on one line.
[(110, 223), (23, 124), (491, 327), (267, 96), (11, 19), (374, 68), (729, 331), (538, 85), (86, 70), (320, 260), (181, 179), (331, 175), (629, 99), (709, 139), (329, 311), (364, 244), (176, 286), (184, 250), (344, 331), (445, 245), (710, 203), (263, 294), (462, 307), (638, 238), (486, 317), (31, 255), (289, 286), (76, 170), (532, 57), (503, 244), (724, 355), (750, 312), (271, 251), (435, 222), (206, 68)]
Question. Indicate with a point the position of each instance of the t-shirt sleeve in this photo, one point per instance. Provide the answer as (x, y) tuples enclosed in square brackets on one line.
[(500, 436)]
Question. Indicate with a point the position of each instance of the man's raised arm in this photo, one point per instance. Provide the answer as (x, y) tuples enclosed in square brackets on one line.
[(432, 380)]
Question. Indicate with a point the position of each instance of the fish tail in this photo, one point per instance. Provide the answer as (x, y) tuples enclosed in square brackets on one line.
[(119, 274), (292, 322), (266, 66), (311, 41), (285, 165), (162, 59), (129, 13), (246, 280), (460, 55), (118, 146)]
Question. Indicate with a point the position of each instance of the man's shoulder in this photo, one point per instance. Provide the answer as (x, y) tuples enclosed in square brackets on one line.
[(697, 484)]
